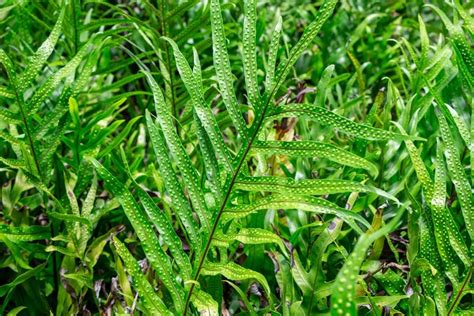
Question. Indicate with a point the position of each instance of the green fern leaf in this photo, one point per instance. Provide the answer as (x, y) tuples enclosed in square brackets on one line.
[(305, 186), (459, 177), (39, 58), (314, 149), (235, 272), (272, 55), (4, 92), (343, 297), (224, 73), (289, 202), (13, 163), (310, 32), (9, 138), (420, 168), (341, 123), (175, 146), (9, 117), (204, 303), (253, 236), (445, 228), (52, 82), (165, 229), (151, 301), (178, 199), (462, 127), (211, 164), (249, 52), (203, 111), (25, 233), (151, 246)]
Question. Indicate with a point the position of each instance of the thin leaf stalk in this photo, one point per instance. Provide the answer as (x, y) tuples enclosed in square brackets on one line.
[(24, 119), (246, 149)]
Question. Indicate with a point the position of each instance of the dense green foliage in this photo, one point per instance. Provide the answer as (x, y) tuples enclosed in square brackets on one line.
[(245, 157)]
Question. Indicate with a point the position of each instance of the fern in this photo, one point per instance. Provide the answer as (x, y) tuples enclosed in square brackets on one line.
[(35, 152), (233, 157), (226, 173)]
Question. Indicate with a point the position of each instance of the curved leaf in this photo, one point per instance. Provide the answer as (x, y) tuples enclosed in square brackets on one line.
[(314, 149), (306, 186), (151, 301), (344, 293), (176, 148), (25, 233), (224, 73), (150, 243), (39, 58), (178, 199), (341, 123), (459, 178), (288, 202), (235, 272), (249, 236)]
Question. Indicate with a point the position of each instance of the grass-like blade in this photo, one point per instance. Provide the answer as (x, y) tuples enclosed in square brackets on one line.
[(323, 86), (6, 288), (119, 138)]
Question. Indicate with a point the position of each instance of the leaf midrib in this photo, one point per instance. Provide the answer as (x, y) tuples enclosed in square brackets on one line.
[(254, 131)]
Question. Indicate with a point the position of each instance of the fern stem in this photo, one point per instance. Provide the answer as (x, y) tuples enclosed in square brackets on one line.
[(217, 220), (28, 131), (255, 129), (55, 270), (459, 294)]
